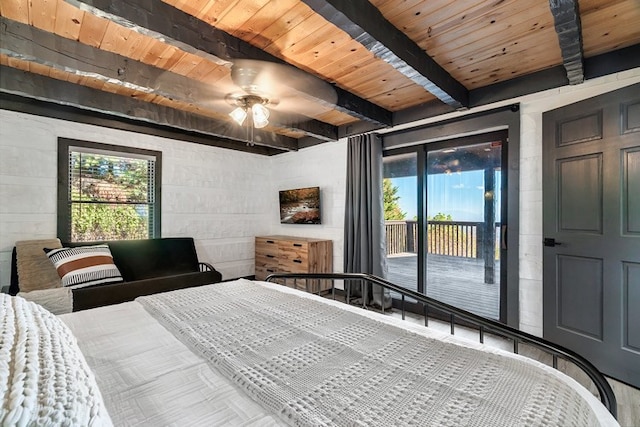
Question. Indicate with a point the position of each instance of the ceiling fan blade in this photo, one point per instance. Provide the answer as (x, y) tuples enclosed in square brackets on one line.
[(173, 86), (294, 96), (279, 81)]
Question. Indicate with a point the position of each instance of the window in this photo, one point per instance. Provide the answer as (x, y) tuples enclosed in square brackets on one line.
[(107, 192)]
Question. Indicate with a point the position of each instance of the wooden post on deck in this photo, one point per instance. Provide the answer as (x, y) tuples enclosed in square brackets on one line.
[(489, 234)]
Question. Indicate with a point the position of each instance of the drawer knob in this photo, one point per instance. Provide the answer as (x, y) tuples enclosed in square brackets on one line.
[(270, 256), (299, 261), (297, 245)]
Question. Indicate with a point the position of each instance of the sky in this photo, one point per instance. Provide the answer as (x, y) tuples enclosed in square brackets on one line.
[(459, 194)]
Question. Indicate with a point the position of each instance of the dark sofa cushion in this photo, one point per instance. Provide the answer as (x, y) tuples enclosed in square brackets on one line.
[(149, 258), (98, 296)]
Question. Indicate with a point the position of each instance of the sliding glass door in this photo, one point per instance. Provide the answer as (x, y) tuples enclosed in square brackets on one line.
[(443, 208), (463, 225), (400, 193)]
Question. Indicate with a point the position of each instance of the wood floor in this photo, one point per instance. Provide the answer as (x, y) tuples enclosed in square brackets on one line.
[(454, 280)]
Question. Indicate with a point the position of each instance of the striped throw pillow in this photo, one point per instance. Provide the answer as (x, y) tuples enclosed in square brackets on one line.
[(85, 266)]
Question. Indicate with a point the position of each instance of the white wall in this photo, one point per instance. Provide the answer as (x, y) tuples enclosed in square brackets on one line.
[(220, 197), (323, 165)]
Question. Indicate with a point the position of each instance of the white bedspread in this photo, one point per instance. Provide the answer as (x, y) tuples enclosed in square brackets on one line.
[(316, 364), (148, 377)]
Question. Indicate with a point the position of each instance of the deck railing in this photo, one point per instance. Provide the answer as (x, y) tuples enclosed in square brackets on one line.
[(453, 238), (402, 236)]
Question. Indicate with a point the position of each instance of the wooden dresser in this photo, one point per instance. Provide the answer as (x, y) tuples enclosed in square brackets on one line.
[(287, 254)]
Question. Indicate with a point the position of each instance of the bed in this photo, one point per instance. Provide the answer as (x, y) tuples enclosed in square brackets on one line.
[(259, 354)]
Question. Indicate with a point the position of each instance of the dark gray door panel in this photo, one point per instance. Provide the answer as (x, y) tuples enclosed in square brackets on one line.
[(591, 226)]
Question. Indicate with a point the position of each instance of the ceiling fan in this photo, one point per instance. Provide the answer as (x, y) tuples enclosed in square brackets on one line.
[(251, 94), (264, 87)]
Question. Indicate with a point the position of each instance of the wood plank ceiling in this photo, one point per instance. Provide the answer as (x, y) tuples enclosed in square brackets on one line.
[(168, 64)]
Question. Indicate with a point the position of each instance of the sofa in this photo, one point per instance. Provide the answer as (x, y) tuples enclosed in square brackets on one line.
[(147, 267)]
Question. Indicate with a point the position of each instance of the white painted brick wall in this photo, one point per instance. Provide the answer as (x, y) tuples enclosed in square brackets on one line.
[(219, 197), (323, 165), (222, 198)]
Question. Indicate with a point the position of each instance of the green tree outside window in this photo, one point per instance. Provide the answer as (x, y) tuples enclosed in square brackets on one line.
[(111, 197)]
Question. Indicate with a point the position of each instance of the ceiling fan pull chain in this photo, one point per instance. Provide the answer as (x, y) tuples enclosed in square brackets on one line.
[(249, 134)]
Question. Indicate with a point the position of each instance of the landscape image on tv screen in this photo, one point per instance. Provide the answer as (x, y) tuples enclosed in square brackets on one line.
[(300, 206)]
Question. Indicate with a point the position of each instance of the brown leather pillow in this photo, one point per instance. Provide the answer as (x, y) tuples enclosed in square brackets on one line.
[(35, 270)]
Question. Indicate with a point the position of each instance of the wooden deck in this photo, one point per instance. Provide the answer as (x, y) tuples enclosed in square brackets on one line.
[(454, 280)]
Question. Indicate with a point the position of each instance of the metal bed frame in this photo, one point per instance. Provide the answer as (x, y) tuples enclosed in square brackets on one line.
[(484, 325)]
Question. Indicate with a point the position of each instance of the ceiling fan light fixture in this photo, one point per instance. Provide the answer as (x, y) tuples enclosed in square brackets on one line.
[(238, 115), (252, 105), (260, 115)]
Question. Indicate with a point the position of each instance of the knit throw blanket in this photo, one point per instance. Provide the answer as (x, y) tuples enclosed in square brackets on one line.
[(315, 364), (44, 378)]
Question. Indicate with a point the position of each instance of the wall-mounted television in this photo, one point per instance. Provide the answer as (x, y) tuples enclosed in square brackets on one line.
[(300, 206)]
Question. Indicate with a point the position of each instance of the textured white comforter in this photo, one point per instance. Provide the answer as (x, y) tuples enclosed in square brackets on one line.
[(316, 364), (148, 377)]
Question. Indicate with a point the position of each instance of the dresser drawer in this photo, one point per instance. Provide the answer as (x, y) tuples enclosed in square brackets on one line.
[(266, 260), (293, 253), (296, 265), (266, 246), (263, 272)]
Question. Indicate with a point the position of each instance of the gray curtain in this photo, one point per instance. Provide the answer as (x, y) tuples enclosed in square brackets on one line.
[(364, 236)]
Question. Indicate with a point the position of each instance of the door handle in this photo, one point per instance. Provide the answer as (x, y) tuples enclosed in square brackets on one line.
[(548, 241), (503, 237)]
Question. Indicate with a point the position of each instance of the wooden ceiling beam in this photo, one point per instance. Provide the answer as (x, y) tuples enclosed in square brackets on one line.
[(366, 24), (612, 62), (566, 17), (177, 28), (72, 114), (26, 84)]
